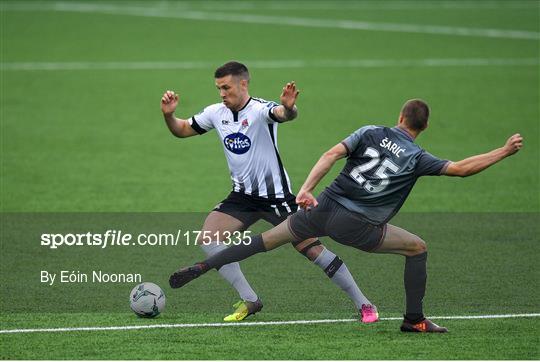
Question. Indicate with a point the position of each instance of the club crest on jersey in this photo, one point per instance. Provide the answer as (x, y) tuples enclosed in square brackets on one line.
[(237, 143), (245, 123)]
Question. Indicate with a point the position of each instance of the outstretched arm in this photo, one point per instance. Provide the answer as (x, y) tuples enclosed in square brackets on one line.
[(478, 163), (178, 127), (305, 198), (287, 111)]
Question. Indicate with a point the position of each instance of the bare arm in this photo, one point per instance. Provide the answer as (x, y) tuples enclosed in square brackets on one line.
[(305, 198), (287, 111), (178, 127), (478, 163)]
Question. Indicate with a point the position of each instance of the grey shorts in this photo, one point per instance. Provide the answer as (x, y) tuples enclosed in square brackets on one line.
[(331, 219)]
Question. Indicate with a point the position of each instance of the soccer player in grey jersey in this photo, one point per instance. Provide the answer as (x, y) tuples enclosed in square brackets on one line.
[(247, 129), (382, 166)]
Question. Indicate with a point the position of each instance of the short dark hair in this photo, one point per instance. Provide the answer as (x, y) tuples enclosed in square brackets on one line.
[(416, 114), (232, 68)]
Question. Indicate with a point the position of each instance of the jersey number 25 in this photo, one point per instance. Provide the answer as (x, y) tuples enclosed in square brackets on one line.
[(380, 173)]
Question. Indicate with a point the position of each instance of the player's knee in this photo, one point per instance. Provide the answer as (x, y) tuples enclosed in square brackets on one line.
[(311, 251), (314, 252), (419, 246)]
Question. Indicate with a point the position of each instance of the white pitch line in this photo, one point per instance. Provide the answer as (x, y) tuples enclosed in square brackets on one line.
[(249, 324), (171, 13), (320, 5), (271, 64), (363, 5)]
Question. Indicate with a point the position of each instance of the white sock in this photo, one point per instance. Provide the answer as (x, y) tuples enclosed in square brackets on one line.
[(232, 273), (339, 274)]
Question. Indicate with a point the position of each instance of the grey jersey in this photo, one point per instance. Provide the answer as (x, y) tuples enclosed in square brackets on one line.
[(382, 168)]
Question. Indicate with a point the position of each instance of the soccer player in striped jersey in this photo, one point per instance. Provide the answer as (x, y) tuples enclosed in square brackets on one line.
[(383, 164), (247, 128)]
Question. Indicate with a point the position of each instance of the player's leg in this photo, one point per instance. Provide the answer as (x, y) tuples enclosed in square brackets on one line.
[(335, 269), (339, 274), (234, 215), (216, 224), (400, 241), (305, 226), (273, 238), (330, 263)]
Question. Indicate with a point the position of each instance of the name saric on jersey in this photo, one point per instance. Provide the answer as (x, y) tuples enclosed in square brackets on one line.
[(392, 146)]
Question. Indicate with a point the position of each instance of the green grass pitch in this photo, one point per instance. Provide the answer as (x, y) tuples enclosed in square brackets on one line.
[(83, 144)]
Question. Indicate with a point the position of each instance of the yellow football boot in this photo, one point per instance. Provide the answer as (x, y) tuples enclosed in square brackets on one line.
[(244, 309)]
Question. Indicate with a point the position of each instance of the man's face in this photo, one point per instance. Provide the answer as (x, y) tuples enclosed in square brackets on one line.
[(233, 91)]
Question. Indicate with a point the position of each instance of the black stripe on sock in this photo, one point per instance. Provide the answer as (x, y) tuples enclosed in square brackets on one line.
[(333, 267)]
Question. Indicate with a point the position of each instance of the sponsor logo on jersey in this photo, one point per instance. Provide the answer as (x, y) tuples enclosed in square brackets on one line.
[(237, 143)]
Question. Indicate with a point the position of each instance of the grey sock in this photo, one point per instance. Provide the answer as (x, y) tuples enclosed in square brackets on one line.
[(232, 273), (339, 274)]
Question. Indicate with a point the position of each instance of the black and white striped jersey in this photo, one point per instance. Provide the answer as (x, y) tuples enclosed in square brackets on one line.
[(249, 139)]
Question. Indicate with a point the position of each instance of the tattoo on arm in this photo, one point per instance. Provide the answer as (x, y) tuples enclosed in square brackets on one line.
[(285, 114)]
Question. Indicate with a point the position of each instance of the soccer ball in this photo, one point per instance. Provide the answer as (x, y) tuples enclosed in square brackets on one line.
[(147, 300)]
